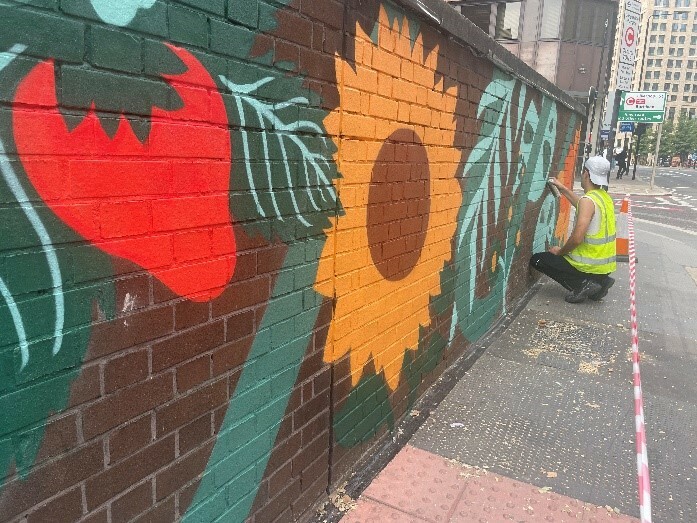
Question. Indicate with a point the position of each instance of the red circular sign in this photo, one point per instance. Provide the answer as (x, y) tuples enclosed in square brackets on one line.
[(630, 101), (629, 36)]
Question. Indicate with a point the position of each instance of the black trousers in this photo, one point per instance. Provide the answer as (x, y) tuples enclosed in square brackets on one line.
[(561, 271)]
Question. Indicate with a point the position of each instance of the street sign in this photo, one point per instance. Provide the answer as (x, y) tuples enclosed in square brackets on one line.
[(630, 31), (605, 134), (628, 45), (642, 106), (625, 72), (626, 127), (633, 5)]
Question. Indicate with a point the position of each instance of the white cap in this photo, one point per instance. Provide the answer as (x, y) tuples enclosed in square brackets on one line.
[(599, 169)]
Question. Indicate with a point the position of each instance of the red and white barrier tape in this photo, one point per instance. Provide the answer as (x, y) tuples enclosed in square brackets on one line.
[(642, 458)]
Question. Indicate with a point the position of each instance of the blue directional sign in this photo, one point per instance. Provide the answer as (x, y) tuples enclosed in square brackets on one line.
[(626, 127)]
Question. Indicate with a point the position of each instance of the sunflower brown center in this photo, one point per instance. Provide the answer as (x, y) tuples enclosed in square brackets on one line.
[(398, 205)]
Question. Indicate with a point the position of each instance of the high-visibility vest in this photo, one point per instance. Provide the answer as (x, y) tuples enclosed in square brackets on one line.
[(597, 255)]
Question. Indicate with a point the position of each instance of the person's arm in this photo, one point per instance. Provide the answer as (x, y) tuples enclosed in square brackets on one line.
[(568, 193), (585, 211)]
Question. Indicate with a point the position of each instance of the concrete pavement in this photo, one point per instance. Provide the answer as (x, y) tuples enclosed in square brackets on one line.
[(540, 426)]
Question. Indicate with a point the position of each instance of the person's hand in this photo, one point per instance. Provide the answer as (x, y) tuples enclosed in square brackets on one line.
[(555, 250), (555, 182)]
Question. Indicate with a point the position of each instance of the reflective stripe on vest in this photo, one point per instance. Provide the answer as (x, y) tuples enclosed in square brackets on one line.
[(600, 241), (592, 261)]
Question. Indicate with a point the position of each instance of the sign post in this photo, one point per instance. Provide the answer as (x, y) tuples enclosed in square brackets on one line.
[(645, 107), (626, 59)]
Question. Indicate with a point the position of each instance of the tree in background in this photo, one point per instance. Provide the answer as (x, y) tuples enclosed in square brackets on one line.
[(648, 143), (684, 136)]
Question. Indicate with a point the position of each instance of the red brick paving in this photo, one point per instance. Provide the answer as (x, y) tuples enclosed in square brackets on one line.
[(418, 486)]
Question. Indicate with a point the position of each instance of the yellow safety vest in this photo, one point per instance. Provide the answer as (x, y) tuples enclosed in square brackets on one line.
[(597, 254)]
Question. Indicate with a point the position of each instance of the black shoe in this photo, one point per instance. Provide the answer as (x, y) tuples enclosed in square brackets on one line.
[(603, 290), (586, 289)]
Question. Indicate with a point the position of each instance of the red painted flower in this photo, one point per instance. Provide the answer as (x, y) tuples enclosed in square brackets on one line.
[(162, 203)]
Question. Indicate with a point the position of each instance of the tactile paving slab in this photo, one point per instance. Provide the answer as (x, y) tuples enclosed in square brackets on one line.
[(541, 425), (418, 483), (418, 486)]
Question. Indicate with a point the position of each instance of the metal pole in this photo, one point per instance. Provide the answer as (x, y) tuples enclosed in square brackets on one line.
[(613, 127), (658, 145), (636, 154)]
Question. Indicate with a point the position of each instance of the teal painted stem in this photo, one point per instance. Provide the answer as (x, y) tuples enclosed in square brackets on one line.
[(248, 433)]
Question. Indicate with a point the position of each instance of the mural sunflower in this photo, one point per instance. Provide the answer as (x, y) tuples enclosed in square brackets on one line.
[(382, 260)]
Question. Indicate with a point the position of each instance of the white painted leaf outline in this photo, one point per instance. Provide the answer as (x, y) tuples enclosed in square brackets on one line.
[(314, 164), (19, 193)]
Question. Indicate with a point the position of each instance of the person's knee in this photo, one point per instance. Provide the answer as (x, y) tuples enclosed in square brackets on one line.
[(535, 260)]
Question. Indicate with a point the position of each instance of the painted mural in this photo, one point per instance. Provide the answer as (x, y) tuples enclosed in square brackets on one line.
[(237, 242)]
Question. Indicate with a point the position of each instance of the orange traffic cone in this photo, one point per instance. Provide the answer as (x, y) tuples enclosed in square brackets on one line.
[(622, 238)]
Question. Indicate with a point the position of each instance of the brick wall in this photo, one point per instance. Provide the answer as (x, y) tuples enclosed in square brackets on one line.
[(239, 239)]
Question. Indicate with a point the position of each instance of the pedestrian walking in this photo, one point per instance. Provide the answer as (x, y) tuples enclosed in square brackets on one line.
[(621, 158), (584, 264)]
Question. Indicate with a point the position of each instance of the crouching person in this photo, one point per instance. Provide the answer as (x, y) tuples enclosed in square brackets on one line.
[(584, 264)]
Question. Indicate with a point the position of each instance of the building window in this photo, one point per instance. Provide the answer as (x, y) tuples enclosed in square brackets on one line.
[(648, 75), (669, 64), (551, 19), (507, 21), (662, 39), (679, 51), (692, 51), (659, 62), (687, 87), (685, 98), (693, 39), (675, 88), (666, 87), (678, 63), (570, 14), (673, 97), (671, 113), (661, 3), (646, 87), (652, 51), (654, 87), (693, 99), (656, 75), (676, 75), (688, 76), (669, 75), (682, 3), (680, 15)]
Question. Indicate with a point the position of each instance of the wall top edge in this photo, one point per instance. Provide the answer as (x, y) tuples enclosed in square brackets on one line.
[(452, 22)]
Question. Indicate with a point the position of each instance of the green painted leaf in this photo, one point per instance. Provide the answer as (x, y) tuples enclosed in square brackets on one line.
[(285, 164)]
